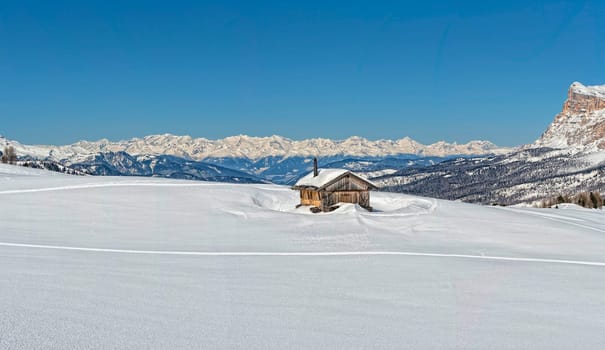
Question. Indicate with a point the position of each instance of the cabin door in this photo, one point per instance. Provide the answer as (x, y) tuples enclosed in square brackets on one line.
[(346, 198)]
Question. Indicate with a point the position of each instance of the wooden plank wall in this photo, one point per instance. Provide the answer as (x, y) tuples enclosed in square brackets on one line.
[(361, 197), (347, 183), (310, 197)]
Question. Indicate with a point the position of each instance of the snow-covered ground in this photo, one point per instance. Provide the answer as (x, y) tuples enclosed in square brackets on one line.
[(106, 262)]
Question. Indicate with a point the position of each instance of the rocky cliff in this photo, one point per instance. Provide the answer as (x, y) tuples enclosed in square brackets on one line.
[(581, 123)]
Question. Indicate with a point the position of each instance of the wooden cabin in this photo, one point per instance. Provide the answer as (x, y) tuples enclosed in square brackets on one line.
[(324, 188)]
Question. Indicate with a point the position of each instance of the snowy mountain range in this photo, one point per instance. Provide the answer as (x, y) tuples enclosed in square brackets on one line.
[(243, 158), (568, 158), (254, 148)]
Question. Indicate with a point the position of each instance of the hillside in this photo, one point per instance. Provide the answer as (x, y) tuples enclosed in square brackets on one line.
[(128, 262), (567, 159)]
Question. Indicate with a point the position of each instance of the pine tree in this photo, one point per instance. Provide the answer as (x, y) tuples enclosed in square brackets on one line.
[(599, 200), (582, 200), (594, 201)]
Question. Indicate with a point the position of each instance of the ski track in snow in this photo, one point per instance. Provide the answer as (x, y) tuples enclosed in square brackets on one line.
[(86, 186), (557, 218), (279, 254)]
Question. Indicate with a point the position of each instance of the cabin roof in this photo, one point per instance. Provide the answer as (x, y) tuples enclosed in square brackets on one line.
[(325, 177)]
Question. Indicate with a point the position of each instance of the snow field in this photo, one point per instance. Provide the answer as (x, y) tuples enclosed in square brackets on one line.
[(101, 262)]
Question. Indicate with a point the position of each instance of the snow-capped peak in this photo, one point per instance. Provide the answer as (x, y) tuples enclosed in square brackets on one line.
[(596, 90), (244, 146)]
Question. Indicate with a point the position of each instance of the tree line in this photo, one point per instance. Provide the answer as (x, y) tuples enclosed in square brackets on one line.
[(584, 199)]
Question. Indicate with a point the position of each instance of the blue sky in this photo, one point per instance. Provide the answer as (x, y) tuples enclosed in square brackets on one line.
[(431, 70)]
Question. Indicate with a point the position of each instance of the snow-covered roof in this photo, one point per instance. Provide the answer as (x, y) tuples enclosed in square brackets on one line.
[(324, 177)]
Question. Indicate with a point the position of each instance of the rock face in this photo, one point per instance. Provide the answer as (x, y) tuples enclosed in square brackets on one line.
[(581, 123), (584, 99)]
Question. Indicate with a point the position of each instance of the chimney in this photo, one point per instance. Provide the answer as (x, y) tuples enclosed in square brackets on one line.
[(315, 172)]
